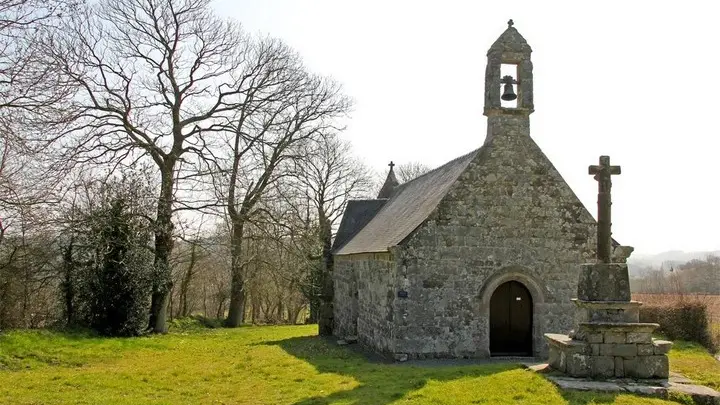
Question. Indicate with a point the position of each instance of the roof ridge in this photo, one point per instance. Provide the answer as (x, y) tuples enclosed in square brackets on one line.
[(409, 206), (439, 167)]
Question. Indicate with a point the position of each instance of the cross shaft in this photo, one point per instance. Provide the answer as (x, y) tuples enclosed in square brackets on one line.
[(602, 173)]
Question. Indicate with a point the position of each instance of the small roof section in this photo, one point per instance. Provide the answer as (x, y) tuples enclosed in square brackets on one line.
[(409, 205), (357, 214), (390, 183), (510, 41)]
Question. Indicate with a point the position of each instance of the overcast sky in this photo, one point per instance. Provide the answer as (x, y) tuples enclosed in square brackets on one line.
[(636, 80)]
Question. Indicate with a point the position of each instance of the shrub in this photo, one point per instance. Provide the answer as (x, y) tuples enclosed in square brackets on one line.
[(682, 321), (107, 261), (196, 322), (120, 290)]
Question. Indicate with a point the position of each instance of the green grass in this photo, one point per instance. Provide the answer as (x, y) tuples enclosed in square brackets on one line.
[(694, 362), (262, 365)]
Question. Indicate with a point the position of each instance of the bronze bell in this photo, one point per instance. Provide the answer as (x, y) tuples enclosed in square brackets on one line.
[(508, 93)]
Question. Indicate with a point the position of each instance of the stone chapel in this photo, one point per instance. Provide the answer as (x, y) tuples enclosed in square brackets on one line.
[(476, 258)]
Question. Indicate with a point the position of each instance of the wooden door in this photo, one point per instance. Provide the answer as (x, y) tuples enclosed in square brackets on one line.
[(511, 312)]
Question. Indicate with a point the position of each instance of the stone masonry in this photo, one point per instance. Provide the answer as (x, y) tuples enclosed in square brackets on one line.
[(608, 340), (416, 268)]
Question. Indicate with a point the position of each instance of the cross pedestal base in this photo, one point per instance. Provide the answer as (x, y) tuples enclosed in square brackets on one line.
[(609, 342)]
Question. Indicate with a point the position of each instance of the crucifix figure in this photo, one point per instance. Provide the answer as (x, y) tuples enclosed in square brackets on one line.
[(602, 173)]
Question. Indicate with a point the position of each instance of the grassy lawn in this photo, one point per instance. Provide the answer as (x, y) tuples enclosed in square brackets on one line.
[(267, 365), (693, 362)]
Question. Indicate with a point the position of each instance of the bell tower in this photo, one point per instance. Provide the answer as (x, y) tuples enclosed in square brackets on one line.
[(509, 85)]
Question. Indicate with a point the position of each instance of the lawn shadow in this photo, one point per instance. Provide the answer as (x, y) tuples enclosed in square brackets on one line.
[(380, 381)]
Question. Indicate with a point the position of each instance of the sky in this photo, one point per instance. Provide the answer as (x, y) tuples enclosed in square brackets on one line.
[(636, 80)]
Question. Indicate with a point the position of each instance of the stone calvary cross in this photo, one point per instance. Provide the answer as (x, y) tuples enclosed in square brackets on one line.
[(602, 173), (608, 340)]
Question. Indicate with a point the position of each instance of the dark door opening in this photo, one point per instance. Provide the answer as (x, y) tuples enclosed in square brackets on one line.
[(511, 313)]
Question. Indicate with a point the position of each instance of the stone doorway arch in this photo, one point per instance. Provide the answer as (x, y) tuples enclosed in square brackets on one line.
[(511, 316), (537, 294)]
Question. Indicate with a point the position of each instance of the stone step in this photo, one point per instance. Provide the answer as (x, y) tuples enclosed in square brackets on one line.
[(700, 394)]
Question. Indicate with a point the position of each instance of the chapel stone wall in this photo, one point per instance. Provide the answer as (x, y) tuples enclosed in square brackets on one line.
[(510, 215), (364, 298)]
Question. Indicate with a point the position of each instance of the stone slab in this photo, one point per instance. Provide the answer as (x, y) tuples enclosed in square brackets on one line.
[(649, 390), (594, 327), (604, 282), (700, 394), (679, 378), (566, 343), (656, 388), (620, 305), (581, 384), (661, 346)]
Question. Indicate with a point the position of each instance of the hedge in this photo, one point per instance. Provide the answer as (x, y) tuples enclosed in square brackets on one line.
[(681, 321)]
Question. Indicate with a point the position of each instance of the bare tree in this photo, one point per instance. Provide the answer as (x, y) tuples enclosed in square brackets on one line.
[(284, 108), (187, 260), (155, 78), (329, 178), (411, 170), (29, 86)]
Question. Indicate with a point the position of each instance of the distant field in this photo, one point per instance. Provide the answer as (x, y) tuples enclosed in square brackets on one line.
[(272, 365), (712, 301)]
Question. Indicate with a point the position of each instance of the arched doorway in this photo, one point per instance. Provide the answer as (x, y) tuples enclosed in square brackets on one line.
[(511, 314)]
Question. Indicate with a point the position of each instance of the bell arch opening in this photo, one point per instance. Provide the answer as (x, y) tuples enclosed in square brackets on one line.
[(511, 320)]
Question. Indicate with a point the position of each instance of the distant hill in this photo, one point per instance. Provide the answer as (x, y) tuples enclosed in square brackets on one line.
[(639, 264)]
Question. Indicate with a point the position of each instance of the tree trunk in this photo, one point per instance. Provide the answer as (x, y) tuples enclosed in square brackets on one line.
[(237, 285), (162, 282), (221, 309), (68, 284), (325, 315), (280, 312), (255, 308), (314, 310), (204, 300), (185, 284)]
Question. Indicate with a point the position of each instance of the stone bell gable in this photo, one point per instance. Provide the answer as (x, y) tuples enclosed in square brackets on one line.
[(509, 216), (478, 257)]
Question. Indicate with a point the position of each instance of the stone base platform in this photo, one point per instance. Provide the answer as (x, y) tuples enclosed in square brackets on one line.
[(655, 388), (610, 350)]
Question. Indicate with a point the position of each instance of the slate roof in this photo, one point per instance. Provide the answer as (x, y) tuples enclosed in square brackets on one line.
[(357, 214), (408, 206)]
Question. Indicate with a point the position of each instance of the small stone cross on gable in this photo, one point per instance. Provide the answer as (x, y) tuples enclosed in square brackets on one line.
[(603, 173)]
